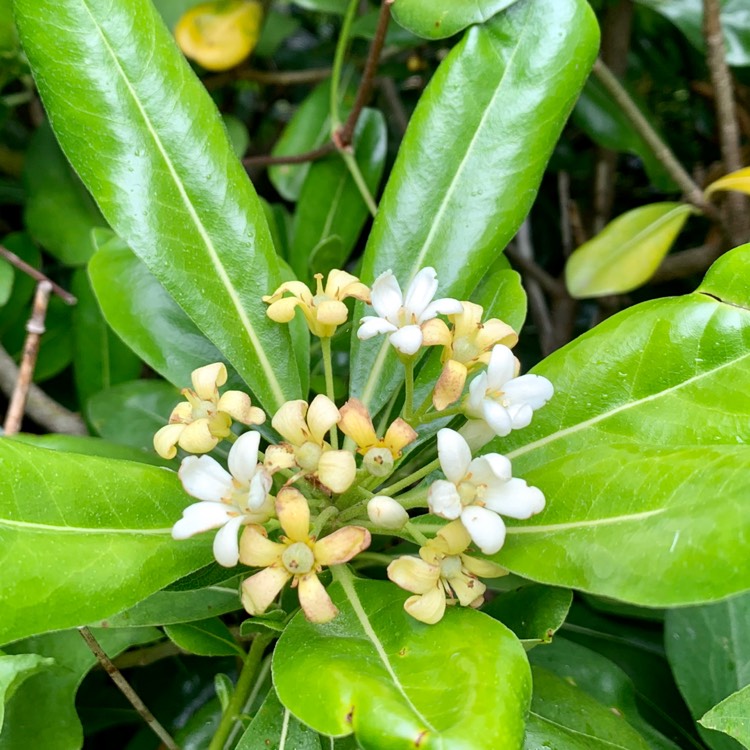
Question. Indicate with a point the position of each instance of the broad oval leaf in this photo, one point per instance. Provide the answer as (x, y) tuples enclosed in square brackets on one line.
[(439, 19), (14, 669), (209, 637), (84, 537), (397, 683), (709, 653), (739, 181), (627, 252), (158, 161), (731, 716), (472, 159)]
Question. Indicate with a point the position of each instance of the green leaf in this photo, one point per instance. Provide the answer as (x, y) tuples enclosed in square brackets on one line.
[(277, 27), (274, 728), (85, 537), (100, 359), (324, 6), (157, 159), (650, 417), (502, 296), (130, 413), (472, 159), (59, 212), (732, 716), (709, 652), (43, 708), (728, 279), (397, 683), (330, 204), (6, 281), (439, 19), (603, 681), (147, 319), (204, 637), (627, 252), (533, 613), (14, 669)]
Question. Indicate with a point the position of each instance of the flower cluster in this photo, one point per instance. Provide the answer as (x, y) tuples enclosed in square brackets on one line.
[(306, 503)]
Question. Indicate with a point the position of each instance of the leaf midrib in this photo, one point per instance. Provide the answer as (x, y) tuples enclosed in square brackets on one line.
[(278, 392), (56, 529), (577, 732)]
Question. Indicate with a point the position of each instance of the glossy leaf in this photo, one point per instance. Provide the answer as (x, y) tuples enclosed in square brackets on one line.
[(439, 19), (100, 359), (143, 314), (85, 537), (43, 708), (732, 716), (739, 181), (364, 667), (59, 213), (158, 161), (130, 413), (14, 669), (330, 204), (709, 652), (627, 252), (649, 418), (209, 637), (533, 613), (274, 728), (465, 176)]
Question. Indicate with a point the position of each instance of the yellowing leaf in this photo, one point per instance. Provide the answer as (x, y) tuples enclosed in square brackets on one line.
[(739, 181), (220, 34), (626, 253)]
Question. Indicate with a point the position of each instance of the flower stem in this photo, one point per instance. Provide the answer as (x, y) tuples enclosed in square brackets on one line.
[(409, 388), (359, 180), (239, 697), (325, 348), (417, 535), (338, 64), (325, 515), (411, 479), (424, 418)]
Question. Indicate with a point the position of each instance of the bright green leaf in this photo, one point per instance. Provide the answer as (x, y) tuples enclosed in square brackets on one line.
[(472, 159), (627, 252), (14, 669), (6, 281), (361, 674), (85, 537), (728, 279), (732, 716), (439, 19), (209, 637), (158, 161)]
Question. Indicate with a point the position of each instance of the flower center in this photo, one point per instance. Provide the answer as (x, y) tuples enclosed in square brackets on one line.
[(378, 461), (450, 567), (308, 456), (298, 558), (464, 350), (467, 492)]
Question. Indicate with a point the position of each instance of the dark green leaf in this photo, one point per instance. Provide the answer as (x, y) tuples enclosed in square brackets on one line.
[(14, 669), (204, 637), (6, 281)]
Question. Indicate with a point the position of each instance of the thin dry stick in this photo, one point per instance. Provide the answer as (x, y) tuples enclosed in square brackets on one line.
[(269, 161), (729, 132), (21, 265), (35, 329), (661, 151), (268, 77), (126, 690)]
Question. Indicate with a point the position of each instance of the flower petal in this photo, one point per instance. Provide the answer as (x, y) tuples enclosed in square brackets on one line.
[(477, 393), (257, 550), (466, 588), (207, 379), (520, 415), (314, 599), (293, 513), (444, 500), (482, 568), (260, 486), (205, 478), (468, 321), (477, 433), (289, 422), (486, 528), (321, 416), (428, 608), (197, 437), (166, 439), (240, 408), (444, 306), (421, 291), (490, 469), (455, 536), (407, 340), (332, 312), (502, 367), (493, 332), (436, 333), (200, 517), (450, 384), (454, 454), (357, 423), (533, 390), (279, 457), (341, 546), (243, 456), (282, 311), (386, 295), (398, 436), (386, 512), (497, 417), (370, 326), (261, 589), (337, 470), (226, 546), (516, 499), (414, 574)]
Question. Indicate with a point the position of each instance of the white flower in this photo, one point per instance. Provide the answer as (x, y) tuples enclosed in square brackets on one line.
[(386, 512), (502, 400), (228, 500), (402, 317), (477, 491)]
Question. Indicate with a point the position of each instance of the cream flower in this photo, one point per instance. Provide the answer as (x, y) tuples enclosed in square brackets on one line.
[(386, 512), (466, 346), (442, 575), (298, 556), (198, 424), (228, 499), (478, 490), (304, 429), (402, 317), (323, 311), (503, 401), (379, 453)]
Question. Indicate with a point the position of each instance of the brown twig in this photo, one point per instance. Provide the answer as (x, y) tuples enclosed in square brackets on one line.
[(661, 151), (268, 77), (534, 271), (126, 690), (21, 265), (35, 329), (345, 134), (729, 132), (269, 161)]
